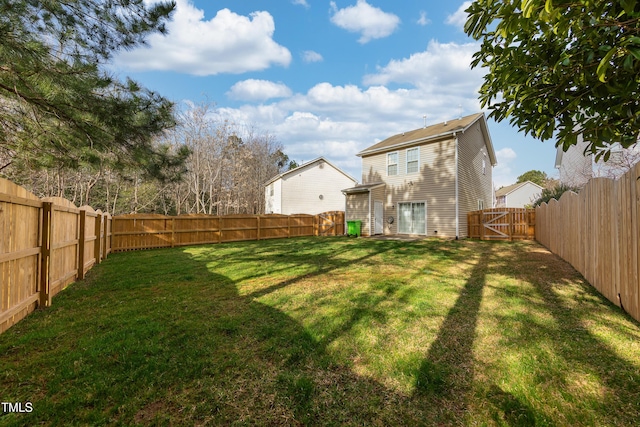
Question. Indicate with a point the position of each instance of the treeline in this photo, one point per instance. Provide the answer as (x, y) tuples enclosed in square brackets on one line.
[(70, 128), (223, 173)]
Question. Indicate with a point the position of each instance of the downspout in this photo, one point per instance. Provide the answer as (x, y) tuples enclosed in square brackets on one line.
[(344, 225), (456, 187), (369, 217)]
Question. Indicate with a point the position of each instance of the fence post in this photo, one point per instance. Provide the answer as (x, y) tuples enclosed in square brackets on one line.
[(105, 238), (81, 237), (481, 225), (258, 226), (173, 231), (288, 226), (511, 216), (45, 256), (97, 242)]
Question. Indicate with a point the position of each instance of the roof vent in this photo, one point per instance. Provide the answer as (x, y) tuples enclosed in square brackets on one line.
[(321, 165)]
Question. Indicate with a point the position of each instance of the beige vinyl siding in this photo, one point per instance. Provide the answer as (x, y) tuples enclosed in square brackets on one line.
[(301, 190), (435, 185), (358, 209), (473, 185)]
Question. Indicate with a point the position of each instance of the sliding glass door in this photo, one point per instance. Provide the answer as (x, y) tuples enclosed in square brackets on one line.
[(412, 218)]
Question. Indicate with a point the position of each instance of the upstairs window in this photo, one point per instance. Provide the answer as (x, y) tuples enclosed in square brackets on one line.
[(413, 155), (392, 163)]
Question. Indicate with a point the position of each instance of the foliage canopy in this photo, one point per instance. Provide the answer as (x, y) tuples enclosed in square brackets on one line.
[(561, 67), (535, 176), (58, 106)]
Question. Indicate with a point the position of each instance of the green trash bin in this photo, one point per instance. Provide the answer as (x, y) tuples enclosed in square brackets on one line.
[(353, 228)]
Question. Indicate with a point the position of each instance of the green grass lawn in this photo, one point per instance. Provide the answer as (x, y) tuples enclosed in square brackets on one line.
[(327, 331)]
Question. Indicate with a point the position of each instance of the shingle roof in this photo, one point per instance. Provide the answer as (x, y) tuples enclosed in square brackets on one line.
[(511, 188), (362, 188), (425, 134), (305, 165)]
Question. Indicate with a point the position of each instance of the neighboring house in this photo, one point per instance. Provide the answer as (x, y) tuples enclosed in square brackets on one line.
[(312, 188), (424, 182), (518, 195), (576, 168)]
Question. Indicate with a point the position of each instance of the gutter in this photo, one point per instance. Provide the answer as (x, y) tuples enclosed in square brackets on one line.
[(456, 186), (406, 143)]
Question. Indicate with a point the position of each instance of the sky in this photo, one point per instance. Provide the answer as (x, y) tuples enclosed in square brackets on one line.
[(327, 78)]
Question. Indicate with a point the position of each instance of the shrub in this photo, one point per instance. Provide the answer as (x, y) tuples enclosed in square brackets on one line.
[(554, 193)]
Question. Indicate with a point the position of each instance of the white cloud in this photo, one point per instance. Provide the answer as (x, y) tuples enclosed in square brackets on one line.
[(459, 17), (371, 22), (338, 121), (301, 3), (258, 90), (503, 173), (227, 43), (311, 56), (423, 20), (440, 69)]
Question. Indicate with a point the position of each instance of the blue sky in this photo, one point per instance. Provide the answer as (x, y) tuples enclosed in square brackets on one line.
[(327, 78)]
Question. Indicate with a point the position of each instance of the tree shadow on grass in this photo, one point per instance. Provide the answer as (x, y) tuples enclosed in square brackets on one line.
[(152, 339), (600, 383), (164, 340), (547, 321)]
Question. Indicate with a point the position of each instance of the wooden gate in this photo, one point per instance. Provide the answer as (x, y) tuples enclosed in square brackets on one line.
[(330, 223), (502, 224)]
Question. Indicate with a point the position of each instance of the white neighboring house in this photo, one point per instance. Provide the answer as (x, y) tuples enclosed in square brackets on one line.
[(576, 168), (311, 188), (518, 195)]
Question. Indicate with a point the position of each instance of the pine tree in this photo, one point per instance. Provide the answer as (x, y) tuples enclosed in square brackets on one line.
[(58, 105)]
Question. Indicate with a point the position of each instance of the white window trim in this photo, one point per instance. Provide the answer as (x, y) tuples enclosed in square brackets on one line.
[(397, 163), (406, 155), (480, 204), (426, 215)]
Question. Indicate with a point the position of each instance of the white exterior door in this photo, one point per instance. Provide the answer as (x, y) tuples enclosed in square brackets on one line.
[(412, 218), (378, 217)]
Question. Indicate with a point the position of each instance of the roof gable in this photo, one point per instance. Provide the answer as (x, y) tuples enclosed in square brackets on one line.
[(433, 133), (300, 168), (514, 187)]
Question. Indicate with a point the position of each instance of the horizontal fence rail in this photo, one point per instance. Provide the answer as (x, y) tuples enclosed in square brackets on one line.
[(502, 224), (139, 231), (45, 244), (597, 232)]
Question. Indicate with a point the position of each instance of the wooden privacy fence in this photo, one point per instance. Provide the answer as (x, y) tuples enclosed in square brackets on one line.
[(597, 232), (139, 231), (45, 244), (502, 224)]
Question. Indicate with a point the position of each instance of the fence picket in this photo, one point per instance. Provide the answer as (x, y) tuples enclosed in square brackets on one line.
[(597, 232), (41, 250), (137, 232), (502, 224)]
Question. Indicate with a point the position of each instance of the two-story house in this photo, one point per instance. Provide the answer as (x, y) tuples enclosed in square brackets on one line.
[(311, 188), (577, 166), (519, 195), (423, 182)]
